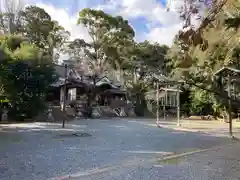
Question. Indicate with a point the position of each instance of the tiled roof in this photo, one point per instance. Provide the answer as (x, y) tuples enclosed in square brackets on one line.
[(228, 71), (74, 74)]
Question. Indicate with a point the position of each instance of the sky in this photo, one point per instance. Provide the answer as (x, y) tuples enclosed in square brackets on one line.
[(149, 18)]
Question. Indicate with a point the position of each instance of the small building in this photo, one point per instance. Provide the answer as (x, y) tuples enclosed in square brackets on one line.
[(56, 92), (78, 85)]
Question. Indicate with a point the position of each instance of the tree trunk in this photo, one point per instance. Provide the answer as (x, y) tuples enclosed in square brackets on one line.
[(88, 110), (91, 96), (141, 105)]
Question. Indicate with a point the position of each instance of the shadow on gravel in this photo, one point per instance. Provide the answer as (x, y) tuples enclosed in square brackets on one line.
[(193, 141), (39, 127), (27, 132), (167, 136), (74, 135), (110, 145)]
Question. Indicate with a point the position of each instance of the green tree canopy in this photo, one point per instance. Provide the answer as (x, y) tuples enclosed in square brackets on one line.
[(108, 36), (35, 24), (23, 79), (40, 29), (197, 61)]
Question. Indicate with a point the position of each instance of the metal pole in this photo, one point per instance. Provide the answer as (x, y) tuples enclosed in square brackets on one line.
[(178, 108), (64, 97), (229, 106), (164, 106), (234, 92), (157, 94)]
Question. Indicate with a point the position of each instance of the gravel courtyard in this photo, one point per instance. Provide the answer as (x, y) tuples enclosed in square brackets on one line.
[(91, 149)]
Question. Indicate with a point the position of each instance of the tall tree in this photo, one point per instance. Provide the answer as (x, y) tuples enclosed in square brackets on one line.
[(9, 19), (233, 20), (40, 29), (33, 23), (197, 63), (105, 51), (107, 35), (24, 80), (148, 61)]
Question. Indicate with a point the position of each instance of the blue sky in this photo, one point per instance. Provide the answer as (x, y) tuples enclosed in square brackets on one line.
[(75, 5), (148, 17)]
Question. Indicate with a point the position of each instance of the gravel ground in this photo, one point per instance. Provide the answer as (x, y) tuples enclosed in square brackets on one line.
[(40, 151), (217, 164)]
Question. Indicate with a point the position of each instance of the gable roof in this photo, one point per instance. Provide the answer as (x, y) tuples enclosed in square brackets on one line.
[(73, 74), (224, 71)]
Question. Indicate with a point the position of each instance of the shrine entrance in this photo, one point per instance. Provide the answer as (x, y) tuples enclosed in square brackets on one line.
[(165, 101)]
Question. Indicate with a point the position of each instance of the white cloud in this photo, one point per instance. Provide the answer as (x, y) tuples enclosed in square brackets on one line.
[(135, 8), (13, 6), (163, 25), (129, 9), (160, 15), (164, 35), (67, 21)]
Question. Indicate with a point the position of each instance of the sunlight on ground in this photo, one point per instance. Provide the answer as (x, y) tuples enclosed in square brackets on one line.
[(185, 150), (171, 161), (144, 123), (47, 129), (150, 152), (152, 125), (25, 125), (29, 127), (120, 127), (39, 125)]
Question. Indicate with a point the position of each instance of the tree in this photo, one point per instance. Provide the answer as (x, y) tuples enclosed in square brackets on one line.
[(147, 61), (35, 24), (220, 41), (9, 19), (40, 29), (24, 80), (109, 38), (191, 34), (233, 20), (108, 34), (197, 63)]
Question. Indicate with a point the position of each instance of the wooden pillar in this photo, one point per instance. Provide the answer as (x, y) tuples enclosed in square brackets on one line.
[(234, 92), (229, 106), (170, 100), (65, 91), (157, 98), (164, 105), (178, 108)]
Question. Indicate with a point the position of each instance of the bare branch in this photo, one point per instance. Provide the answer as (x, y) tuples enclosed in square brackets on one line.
[(9, 10)]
